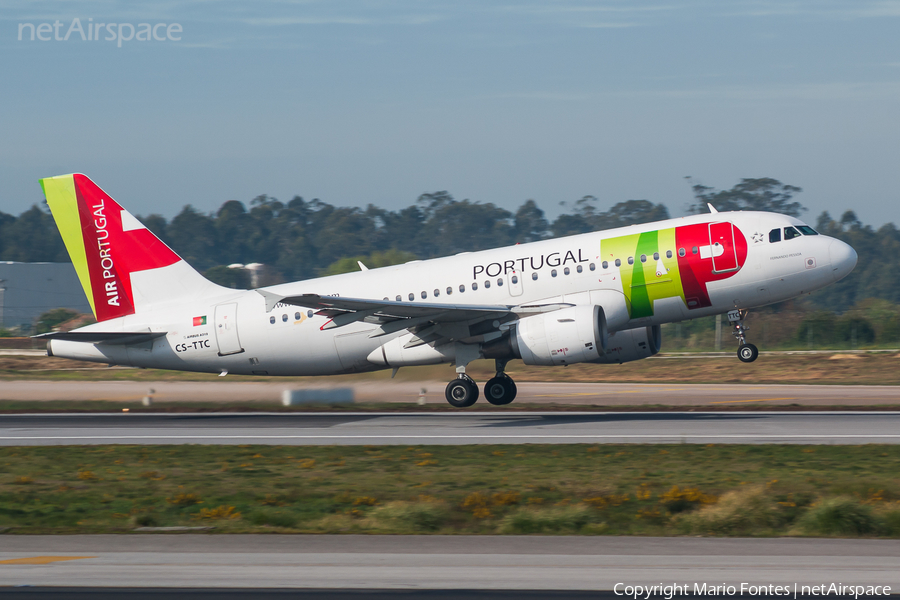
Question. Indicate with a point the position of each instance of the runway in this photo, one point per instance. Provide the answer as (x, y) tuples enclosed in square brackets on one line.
[(600, 394), (452, 428), (439, 562)]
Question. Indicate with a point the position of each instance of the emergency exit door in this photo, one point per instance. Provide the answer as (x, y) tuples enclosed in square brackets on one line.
[(226, 329), (721, 243)]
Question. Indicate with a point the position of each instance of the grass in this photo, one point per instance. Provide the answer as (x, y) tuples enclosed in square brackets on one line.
[(764, 490)]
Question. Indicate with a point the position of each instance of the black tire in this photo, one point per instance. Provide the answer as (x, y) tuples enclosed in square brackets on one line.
[(461, 393), (500, 390), (748, 353)]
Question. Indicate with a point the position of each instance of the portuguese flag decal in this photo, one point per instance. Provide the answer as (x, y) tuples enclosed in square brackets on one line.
[(199, 321)]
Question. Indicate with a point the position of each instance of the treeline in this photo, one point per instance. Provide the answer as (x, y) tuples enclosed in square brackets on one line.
[(301, 238)]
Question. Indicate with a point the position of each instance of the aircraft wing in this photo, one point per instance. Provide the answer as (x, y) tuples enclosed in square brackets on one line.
[(394, 316)]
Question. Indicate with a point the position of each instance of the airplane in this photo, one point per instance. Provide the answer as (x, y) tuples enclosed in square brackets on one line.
[(592, 298)]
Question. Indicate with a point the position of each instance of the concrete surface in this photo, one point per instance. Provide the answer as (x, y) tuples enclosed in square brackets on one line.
[(441, 562), (451, 428), (605, 394)]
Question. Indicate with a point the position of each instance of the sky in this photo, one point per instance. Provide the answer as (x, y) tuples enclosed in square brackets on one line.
[(380, 101)]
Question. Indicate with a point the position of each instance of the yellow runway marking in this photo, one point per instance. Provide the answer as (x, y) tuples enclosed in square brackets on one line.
[(759, 400), (40, 560)]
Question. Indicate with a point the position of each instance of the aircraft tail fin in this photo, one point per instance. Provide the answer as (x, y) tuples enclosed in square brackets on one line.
[(122, 266)]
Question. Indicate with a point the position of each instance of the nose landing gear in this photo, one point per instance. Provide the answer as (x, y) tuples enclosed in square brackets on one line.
[(746, 352)]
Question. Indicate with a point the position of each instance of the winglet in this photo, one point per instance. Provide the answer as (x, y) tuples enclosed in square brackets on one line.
[(362, 267), (271, 299), (712, 209)]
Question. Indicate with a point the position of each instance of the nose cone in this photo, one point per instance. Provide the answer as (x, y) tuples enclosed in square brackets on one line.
[(843, 259)]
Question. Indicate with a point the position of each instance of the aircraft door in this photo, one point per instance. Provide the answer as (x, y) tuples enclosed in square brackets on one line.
[(721, 242), (515, 284), (226, 329)]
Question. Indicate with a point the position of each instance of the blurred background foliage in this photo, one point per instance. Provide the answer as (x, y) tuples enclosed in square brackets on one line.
[(301, 239)]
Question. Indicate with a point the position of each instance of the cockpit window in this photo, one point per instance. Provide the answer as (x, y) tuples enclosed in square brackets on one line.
[(807, 230), (790, 233), (775, 235)]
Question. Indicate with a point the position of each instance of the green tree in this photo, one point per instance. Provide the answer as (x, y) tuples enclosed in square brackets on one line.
[(193, 237), (33, 237), (224, 275), (372, 261), (765, 194), (632, 212), (50, 319), (530, 223)]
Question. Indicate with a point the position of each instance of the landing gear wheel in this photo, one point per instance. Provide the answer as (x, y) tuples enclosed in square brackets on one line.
[(461, 393), (747, 353), (500, 390)]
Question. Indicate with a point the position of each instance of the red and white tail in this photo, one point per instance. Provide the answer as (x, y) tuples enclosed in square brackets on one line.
[(122, 266)]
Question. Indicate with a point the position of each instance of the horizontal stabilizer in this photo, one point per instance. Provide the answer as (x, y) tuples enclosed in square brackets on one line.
[(121, 338)]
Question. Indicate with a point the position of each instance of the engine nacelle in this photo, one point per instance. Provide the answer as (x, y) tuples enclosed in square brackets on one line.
[(632, 344), (563, 337)]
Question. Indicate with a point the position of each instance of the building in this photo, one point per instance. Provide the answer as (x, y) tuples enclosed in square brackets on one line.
[(28, 290)]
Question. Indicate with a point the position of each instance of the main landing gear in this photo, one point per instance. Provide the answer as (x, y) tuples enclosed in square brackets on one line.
[(462, 392), (746, 352)]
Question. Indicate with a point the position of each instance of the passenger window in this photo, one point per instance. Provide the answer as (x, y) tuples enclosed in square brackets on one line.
[(487, 284), (807, 230), (309, 314), (272, 320), (437, 292), (566, 271), (462, 289), (284, 318), (412, 296), (643, 258), (534, 276), (656, 256), (593, 267), (618, 262), (775, 236), (474, 286), (630, 260), (499, 281), (681, 252), (605, 265), (449, 290), (553, 273), (668, 254), (424, 295), (297, 316), (694, 250), (579, 268), (399, 299), (514, 279)]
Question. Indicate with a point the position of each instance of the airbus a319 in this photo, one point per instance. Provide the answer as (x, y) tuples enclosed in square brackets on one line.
[(592, 298)]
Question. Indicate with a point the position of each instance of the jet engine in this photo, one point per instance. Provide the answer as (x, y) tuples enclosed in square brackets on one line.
[(631, 344), (563, 337), (579, 334)]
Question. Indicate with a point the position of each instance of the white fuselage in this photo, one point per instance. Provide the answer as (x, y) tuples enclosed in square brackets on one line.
[(240, 336)]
